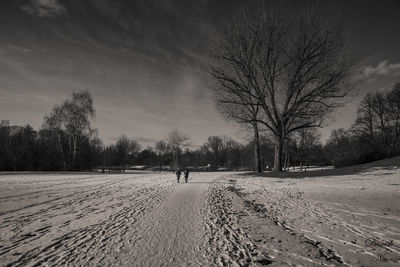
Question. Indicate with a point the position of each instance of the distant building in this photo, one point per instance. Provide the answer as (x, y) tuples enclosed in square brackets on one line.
[(5, 123)]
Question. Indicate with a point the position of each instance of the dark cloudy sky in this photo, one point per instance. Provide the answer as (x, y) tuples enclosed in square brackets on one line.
[(143, 61)]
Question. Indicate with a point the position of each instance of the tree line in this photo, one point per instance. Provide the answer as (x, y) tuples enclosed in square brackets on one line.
[(67, 142), (374, 135)]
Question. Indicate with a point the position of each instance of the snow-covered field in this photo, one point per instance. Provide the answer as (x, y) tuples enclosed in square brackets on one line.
[(348, 216), (337, 217)]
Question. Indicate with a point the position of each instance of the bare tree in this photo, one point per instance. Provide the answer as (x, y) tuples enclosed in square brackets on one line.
[(365, 123), (379, 118), (78, 113), (54, 123), (294, 66), (240, 108), (394, 116), (161, 148), (216, 145), (73, 117), (307, 138), (126, 150), (177, 140)]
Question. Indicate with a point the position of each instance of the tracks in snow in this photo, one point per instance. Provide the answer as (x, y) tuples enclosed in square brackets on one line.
[(89, 225), (245, 233)]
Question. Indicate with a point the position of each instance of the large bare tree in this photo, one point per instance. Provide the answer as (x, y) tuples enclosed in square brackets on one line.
[(293, 65)]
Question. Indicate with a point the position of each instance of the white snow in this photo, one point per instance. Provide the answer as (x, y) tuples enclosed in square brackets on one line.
[(322, 217)]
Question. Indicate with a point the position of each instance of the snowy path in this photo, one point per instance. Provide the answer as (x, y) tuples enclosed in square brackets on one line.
[(173, 233)]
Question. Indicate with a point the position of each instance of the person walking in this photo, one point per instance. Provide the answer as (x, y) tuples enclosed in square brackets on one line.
[(186, 173), (178, 174)]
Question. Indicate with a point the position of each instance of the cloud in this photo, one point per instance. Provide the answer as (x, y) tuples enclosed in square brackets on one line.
[(19, 48), (382, 68), (45, 8)]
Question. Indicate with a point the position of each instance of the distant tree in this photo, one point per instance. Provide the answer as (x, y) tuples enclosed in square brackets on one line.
[(5, 144), (308, 139), (126, 151), (21, 148), (233, 154), (54, 123), (374, 134), (378, 122), (294, 66), (366, 123), (216, 145), (162, 149), (385, 119), (78, 113), (18, 149), (341, 148), (121, 148), (90, 153), (177, 140), (206, 155), (96, 151), (48, 153), (147, 157), (394, 117), (110, 156), (72, 117), (381, 109)]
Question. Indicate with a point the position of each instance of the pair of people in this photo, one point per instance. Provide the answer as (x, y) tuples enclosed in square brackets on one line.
[(186, 174)]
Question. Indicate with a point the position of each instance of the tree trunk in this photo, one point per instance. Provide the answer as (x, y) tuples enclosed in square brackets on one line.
[(257, 157), (278, 154), (286, 166)]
